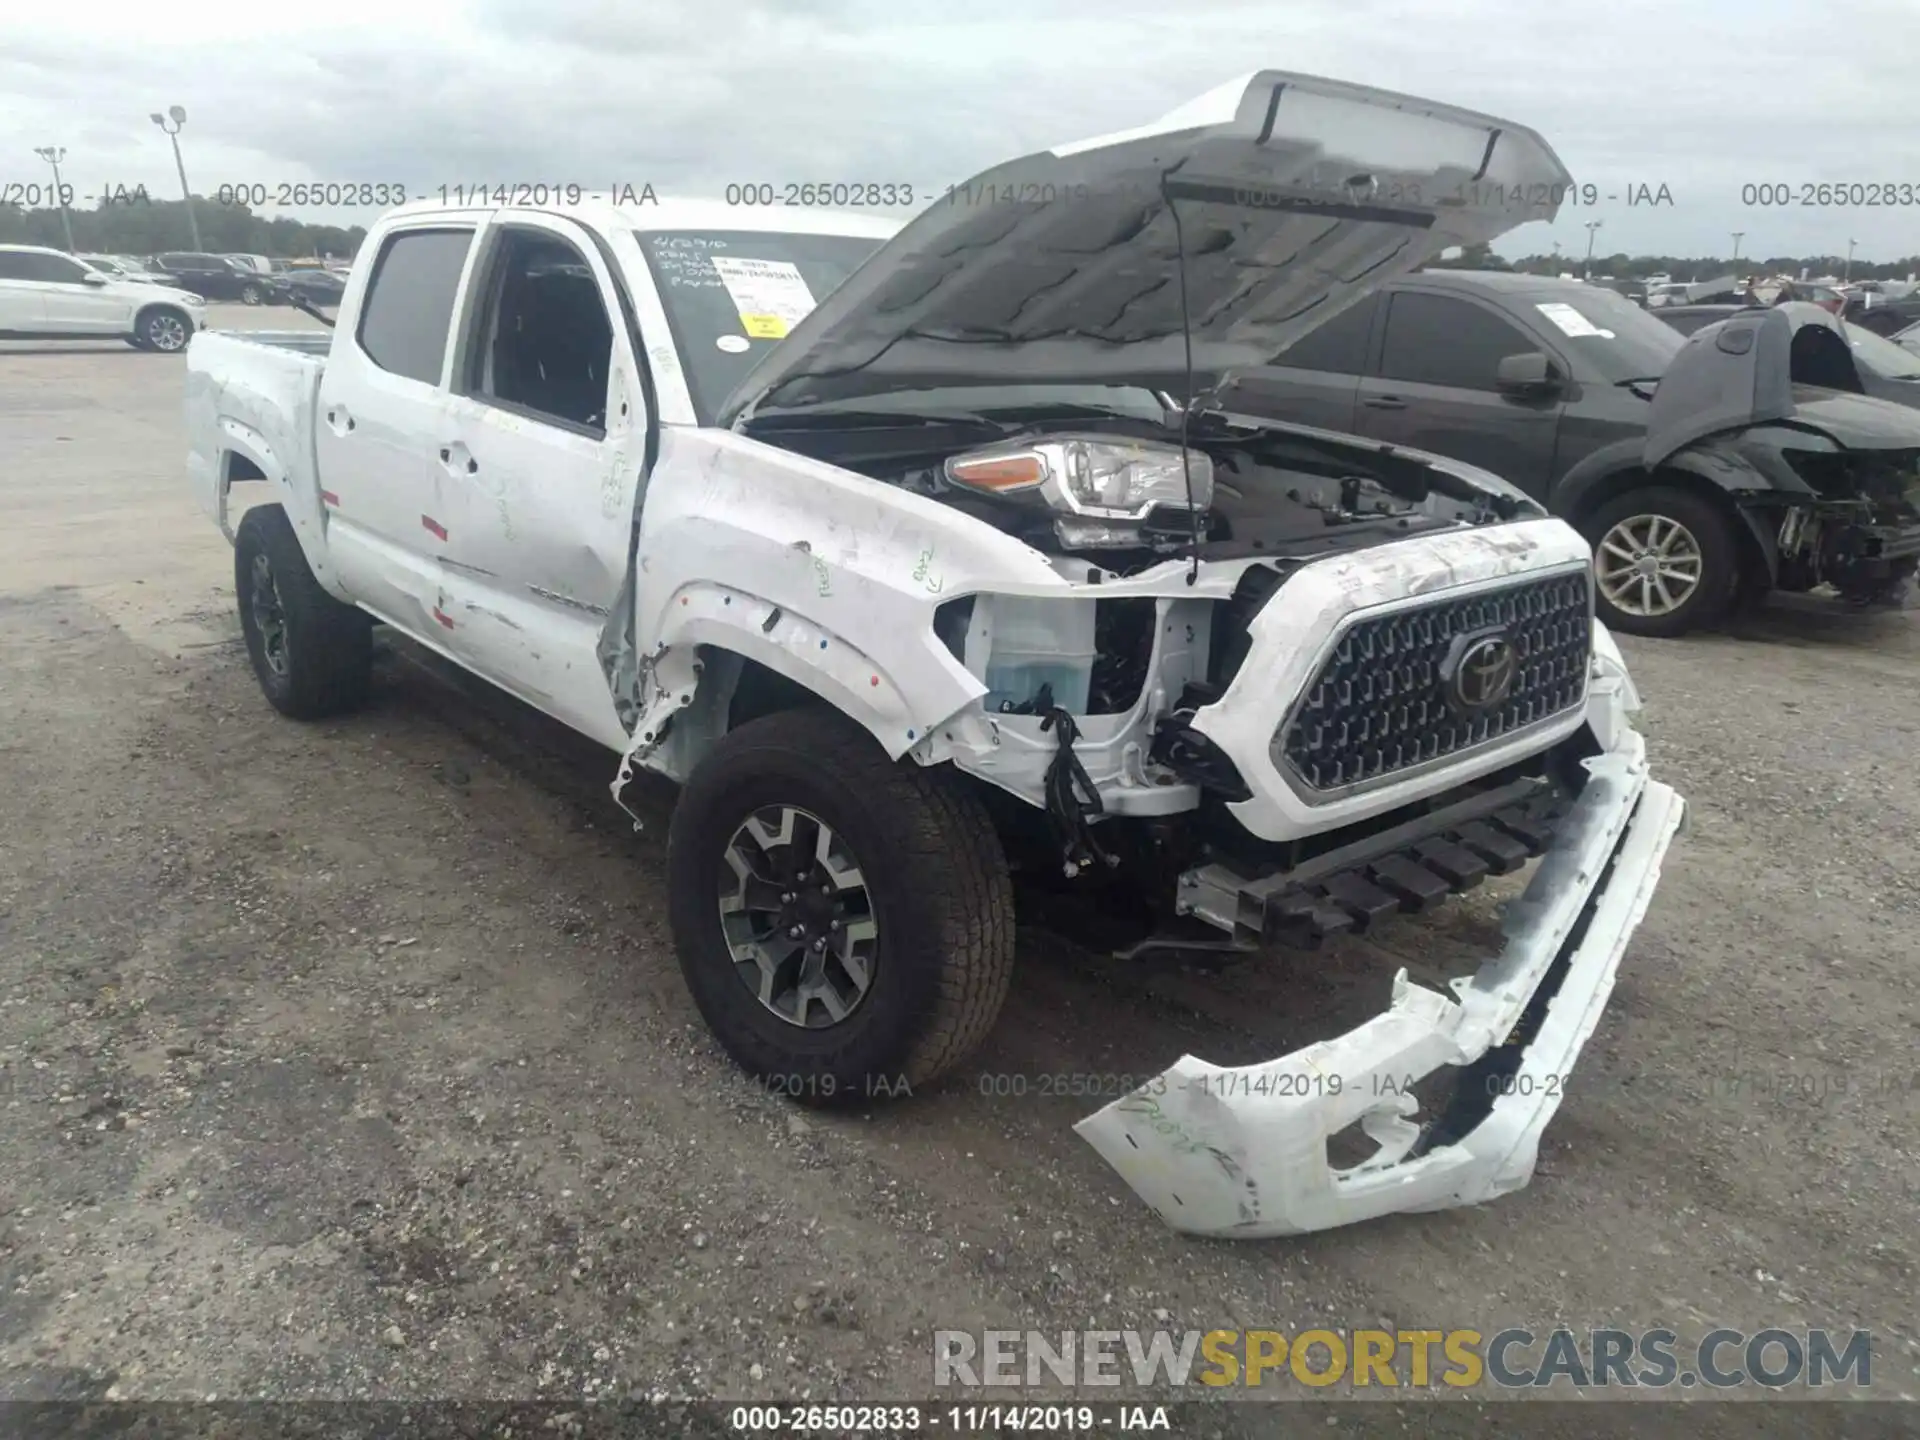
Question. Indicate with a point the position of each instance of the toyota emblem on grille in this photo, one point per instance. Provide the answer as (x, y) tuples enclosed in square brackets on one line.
[(1482, 673)]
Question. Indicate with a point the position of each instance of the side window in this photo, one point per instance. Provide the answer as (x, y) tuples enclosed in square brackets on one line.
[(409, 306), (57, 269), (1340, 345), (1438, 340), (544, 343), (13, 265)]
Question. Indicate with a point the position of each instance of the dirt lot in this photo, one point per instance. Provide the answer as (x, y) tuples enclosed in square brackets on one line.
[(352, 1060)]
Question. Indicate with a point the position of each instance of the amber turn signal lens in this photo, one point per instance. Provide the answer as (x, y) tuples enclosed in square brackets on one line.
[(998, 474)]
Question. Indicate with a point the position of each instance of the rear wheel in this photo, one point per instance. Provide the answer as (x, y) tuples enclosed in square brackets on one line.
[(844, 922), (312, 654), (251, 294), (1664, 560)]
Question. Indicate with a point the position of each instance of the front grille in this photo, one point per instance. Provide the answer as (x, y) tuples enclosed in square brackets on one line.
[(1383, 702)]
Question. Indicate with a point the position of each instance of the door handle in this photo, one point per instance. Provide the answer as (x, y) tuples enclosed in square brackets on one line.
[(458, 459), (1384, 402), (339, 420)]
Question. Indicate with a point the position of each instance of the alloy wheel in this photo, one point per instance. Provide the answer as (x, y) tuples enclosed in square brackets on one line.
[(1648, 565), (167, 332), (797, 917), (269, 616)]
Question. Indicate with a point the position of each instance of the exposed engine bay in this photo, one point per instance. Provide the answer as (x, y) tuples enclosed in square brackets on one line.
[(1125, 492)]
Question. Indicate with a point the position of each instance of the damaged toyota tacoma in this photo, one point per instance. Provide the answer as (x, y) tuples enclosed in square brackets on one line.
[(911, 553)]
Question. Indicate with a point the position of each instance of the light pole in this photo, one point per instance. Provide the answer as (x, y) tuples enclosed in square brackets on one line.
[(1844, 278), (1738, 236), (179, 114), (53, 155), (1587, 269)]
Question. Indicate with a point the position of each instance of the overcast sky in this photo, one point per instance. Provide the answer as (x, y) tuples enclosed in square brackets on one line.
[(1700, 96)]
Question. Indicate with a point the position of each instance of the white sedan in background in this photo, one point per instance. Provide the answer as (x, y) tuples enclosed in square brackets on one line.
[(49, 295)]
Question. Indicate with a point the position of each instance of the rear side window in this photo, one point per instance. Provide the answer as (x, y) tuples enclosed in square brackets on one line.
[(408, 310), (1340, 345), (1438, 340)]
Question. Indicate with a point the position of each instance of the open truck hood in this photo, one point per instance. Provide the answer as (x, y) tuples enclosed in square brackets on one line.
[(1290, 196), (1739, 372)]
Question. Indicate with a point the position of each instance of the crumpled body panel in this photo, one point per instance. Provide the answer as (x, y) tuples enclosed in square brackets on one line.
[(1242, 1152)]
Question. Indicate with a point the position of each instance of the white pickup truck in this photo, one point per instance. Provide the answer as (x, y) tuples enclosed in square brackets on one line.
[(910, 552)]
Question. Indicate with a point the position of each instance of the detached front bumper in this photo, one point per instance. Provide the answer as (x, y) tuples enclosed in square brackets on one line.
[(1242, 1152)]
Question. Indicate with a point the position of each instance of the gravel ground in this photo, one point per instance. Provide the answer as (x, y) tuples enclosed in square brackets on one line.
[(352, 1060)]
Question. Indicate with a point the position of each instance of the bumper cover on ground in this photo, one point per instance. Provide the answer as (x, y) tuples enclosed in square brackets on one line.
[(1242, 1152)]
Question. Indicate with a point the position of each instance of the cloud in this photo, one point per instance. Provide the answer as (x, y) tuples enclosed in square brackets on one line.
[(690, 98)]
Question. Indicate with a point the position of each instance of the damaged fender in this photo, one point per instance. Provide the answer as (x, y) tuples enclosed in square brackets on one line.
[(1241, 1152)]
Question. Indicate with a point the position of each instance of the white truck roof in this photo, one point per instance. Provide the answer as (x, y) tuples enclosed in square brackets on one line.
[(601, 211)]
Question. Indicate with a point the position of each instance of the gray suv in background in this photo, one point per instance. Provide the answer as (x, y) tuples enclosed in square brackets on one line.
[(1701, 470)]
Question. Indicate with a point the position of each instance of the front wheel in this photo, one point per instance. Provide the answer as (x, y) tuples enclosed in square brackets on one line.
[(1664, 562), (312, 654), (252, 295), (164, 330), (844, 922)]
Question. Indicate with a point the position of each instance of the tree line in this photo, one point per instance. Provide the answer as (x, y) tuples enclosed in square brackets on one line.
[(142, 226), (1683, 268)]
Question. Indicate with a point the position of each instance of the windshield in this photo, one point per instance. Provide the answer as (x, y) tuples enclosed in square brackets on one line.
[(731, 296), (1882, 355), (1611, 333)]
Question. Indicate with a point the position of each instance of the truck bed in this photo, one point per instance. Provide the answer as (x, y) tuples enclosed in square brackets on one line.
[(253, 398)]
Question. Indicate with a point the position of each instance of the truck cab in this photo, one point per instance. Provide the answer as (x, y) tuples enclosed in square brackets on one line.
[(911, 553)]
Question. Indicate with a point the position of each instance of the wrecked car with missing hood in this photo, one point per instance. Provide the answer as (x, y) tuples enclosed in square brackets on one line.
[(897, 549)]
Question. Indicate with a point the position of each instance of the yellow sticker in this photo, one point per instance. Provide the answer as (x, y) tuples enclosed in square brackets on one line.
[(764, 327)]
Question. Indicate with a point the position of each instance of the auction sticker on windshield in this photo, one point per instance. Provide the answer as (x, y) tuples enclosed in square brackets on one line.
[(771, 295), (1570, 321)]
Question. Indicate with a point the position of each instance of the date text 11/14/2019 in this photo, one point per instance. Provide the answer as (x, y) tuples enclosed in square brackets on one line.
[(356, 194)]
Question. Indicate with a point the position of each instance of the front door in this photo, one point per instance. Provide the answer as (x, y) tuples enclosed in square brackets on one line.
[(543, 440), (73, 306), (380, 407), (1435, 389)]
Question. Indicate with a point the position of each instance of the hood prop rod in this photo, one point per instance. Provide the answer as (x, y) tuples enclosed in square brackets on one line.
[(1186, 404)]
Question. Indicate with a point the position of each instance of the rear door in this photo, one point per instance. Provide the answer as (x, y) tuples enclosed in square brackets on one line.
[(1436, 388), (539, 452), (22, 306), (380, 406), (1315, 380)]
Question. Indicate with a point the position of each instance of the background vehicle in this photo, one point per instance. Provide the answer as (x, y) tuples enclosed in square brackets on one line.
[(901, 612), (259, 264), (316, 287), (214, 276), (1883, 369), (1881, 312), (49, 295), (120, 267), (1552, 385)]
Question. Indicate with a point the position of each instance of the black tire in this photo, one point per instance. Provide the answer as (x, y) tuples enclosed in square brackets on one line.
[(934, 876), (163, 328), (1709, 530), (315, 658), (251, 294)]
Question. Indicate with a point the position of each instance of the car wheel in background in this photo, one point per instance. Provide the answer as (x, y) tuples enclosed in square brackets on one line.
[(163, 329), (1665, 561), (251, 294)]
